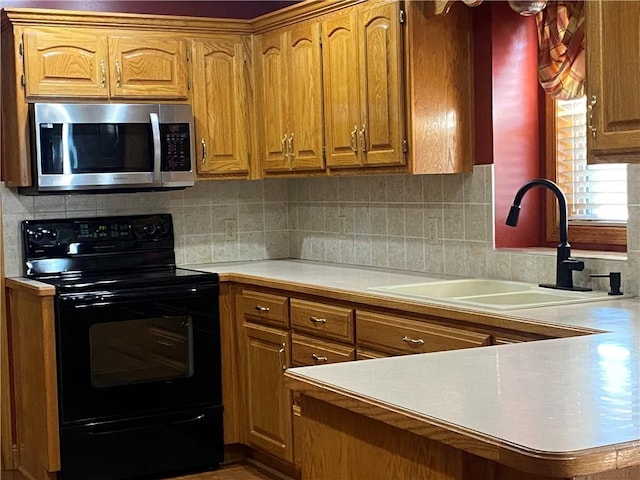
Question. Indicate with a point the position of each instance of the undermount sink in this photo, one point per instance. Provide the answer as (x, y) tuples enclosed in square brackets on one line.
[(492, 294)]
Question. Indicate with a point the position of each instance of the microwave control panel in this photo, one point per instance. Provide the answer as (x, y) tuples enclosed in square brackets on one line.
[(176, 147)]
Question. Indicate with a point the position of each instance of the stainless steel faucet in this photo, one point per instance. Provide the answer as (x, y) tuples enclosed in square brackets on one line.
[(565, 264)]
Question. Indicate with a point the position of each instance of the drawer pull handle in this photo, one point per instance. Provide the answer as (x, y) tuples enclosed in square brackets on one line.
[(313, 319), (118, 74), (318, 358), (261, 309), (413, 341)]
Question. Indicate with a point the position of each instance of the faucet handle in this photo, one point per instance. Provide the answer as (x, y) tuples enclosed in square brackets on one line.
[(614, 281)]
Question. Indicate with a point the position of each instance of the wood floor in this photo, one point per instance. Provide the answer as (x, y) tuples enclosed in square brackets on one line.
[(230, 472)]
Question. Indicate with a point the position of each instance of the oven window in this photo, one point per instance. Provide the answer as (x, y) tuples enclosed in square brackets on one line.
[(144, 350)]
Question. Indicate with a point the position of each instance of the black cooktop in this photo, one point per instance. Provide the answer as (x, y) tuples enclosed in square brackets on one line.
[(140, 279), (105, 252)]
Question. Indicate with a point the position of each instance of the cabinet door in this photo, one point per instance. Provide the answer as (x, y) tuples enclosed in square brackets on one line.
[(613, 69), (221, 105), (341, 89), (148, 66), (269, 401), (304, 73), (381, 90), (65, 62), (272, 100)]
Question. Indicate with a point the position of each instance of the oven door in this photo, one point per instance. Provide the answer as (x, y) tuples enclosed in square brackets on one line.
[(137, 352)]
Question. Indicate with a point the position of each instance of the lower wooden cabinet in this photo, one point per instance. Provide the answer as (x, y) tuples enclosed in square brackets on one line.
[(269, 402), (283, 329)]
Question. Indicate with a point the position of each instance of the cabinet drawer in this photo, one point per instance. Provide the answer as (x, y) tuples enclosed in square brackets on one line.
[(387, 333), (311, 351), (265, 308), (322, 320)]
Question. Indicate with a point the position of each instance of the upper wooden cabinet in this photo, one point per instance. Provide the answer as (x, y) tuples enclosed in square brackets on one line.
[(289, 99), (613, 71), (221, 104), (363, 89), (82, 62)]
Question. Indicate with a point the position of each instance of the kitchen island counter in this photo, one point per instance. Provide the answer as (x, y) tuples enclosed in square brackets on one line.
[(561, 408)]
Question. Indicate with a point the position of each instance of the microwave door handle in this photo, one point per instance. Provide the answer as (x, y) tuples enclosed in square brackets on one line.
[(157, 154), (66, 158)]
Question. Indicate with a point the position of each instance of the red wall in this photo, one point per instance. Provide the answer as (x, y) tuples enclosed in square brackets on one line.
[(516, 134), (222, 9)]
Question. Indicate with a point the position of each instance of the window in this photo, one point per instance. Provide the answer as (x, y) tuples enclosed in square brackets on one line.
[(596, 194)]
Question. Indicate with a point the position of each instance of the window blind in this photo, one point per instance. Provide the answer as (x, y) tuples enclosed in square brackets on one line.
[(595, 193)]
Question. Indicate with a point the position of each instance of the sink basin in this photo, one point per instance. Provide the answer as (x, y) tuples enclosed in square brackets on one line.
[(492, 294), (457, 288)]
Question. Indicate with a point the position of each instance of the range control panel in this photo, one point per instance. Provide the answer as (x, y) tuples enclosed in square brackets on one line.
[(69, 236)]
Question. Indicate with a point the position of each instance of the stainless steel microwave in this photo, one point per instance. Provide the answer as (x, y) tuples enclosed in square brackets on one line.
[(110, 147)]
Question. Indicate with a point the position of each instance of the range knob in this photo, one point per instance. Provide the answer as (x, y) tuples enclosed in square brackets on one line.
[(150, 229), (50, 234)]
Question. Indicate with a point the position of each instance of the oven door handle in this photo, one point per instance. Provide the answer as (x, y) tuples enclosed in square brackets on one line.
[(92, 299), (99, 430)]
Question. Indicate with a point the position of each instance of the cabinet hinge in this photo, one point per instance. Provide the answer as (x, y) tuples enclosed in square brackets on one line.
[(189, 83), (405, 146), (188, 55), (245, 58), (324, 154), (402, 17), (21, 49), (23, 81)]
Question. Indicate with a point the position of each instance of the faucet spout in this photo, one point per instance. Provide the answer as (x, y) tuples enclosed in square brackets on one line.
[(565, 265)]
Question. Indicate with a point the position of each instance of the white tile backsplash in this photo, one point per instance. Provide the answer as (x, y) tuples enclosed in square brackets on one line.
[(385, 218)]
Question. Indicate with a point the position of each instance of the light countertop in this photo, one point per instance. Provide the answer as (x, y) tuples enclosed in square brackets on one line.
[(554, 396), (562, 395)]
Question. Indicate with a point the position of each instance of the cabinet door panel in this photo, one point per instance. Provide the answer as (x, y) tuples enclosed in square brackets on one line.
[(613, 56), (305, 97), (144, 66), (270, 402), (272, 100), (341, 89), (221, 105), (381, 90), (65, 62)]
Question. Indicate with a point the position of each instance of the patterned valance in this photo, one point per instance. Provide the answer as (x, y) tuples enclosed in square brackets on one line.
[(561, 54)]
